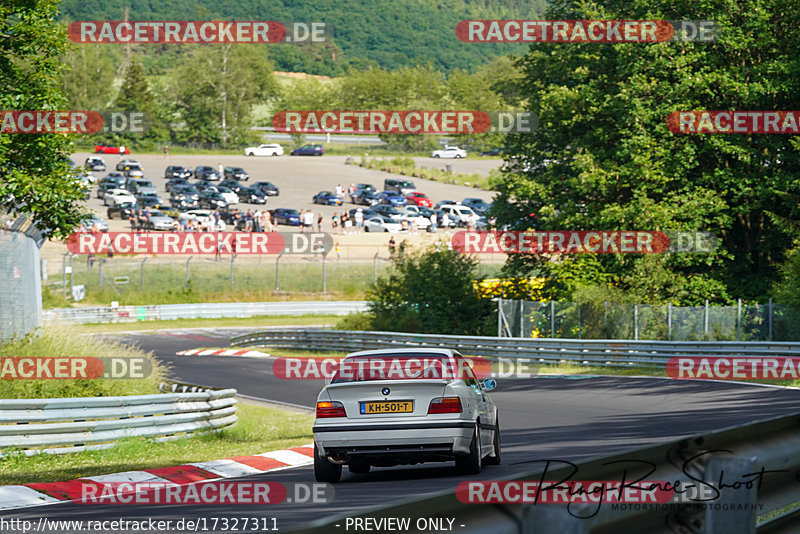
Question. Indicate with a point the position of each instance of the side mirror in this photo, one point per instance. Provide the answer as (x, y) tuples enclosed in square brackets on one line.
[(489, 384)]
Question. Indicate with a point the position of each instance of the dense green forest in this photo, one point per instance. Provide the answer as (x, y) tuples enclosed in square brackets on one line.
[(363, 33)]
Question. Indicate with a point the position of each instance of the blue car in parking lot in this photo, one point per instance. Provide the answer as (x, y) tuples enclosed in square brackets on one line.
[(285, 216), (392, 198), (308, 150), (327, 197)]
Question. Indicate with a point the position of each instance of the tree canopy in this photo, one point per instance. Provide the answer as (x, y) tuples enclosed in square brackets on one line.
[(604, 159)]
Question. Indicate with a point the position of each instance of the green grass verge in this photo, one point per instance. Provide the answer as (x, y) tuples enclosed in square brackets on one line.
[(210, 281), (62, 341), (259, 429), (264, 320)]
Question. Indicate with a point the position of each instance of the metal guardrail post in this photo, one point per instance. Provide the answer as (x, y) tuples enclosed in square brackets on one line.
[(187, 270), (141, 274), (734, 512), (739, 321), (552, 318), (64, 273), (499, 313), (99, 273), (233, 280), (635, 321), (770, 320), (705, 319), (324, 274), (71, 273), (375, 267), (669, 321), (278, 259)]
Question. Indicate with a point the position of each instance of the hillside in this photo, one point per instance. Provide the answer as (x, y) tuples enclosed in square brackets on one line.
[(386, 33)]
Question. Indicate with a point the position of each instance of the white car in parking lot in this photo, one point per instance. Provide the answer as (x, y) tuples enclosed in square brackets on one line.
[(462, 215), (382, 223), (203, 217), (118, 196), (404, 406), (270, 149), (449, 152)]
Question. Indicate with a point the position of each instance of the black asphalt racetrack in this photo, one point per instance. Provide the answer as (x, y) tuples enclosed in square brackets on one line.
[(559, 418)]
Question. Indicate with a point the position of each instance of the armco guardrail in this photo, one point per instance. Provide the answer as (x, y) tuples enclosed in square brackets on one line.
[(124, 314), (71, 424), (734, 455), (595, 352)]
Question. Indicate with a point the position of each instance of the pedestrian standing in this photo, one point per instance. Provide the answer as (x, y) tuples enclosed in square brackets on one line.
[(308, 221), (319, 222), (359, 219), (166, 151), (335, 222)]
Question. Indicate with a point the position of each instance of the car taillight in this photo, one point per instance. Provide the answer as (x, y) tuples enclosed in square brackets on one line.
[(445, 405), (330, 409)]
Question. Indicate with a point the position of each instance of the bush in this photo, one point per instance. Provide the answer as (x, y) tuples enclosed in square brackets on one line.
[(431, 292), (63, 341), (355, 321)]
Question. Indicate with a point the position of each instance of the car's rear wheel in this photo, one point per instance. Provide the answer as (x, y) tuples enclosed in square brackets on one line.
[(326, 471), (436, 156), (494, 458), (458, 156), (359, 467), (470, 464)]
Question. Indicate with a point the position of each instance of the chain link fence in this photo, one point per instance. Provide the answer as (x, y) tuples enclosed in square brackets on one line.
[(612, 320), (102, 280), (20, 286)]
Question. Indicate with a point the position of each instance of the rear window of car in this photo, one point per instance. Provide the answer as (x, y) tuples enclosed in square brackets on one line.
[(408, 366)]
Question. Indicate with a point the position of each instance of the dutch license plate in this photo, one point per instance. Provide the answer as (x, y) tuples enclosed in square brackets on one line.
[(368, 408)]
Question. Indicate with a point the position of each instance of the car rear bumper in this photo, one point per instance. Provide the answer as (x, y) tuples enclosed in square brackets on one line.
[(442, 438)]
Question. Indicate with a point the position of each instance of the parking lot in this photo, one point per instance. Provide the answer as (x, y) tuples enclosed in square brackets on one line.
[(299, 178)]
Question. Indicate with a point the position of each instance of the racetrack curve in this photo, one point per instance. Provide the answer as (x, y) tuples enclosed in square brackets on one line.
[(564, 418)]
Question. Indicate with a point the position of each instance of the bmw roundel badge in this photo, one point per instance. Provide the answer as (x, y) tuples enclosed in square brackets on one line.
[(386, 391)]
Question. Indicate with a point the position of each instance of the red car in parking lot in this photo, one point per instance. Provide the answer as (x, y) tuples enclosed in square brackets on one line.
[(419, 199), (108, 149)]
